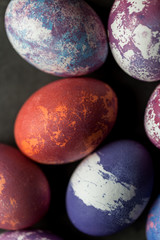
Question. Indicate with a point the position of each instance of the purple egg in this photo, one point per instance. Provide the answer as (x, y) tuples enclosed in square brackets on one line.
[(134, 37), (153, 221), (152, 117), (60, 37), (28, 235), (109, 190)]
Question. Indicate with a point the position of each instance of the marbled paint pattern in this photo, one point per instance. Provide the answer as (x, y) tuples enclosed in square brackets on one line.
[(134, 37), (110, 188), (60, 37), (28, 235), (153, 221), (152, 117)]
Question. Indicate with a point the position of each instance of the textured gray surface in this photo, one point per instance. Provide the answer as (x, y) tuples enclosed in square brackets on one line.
[(18, 80)]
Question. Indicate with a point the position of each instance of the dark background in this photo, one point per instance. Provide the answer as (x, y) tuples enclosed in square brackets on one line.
[(18, 80)]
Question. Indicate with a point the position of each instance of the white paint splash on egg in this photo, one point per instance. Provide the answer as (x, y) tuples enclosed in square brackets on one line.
[(136, 5), (99, 188)]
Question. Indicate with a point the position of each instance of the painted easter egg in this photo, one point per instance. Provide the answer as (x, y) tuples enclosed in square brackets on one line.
[(28, 235), (60, 37), (134, 36), (65, 120), (152, 117), (110, 188), (24, 190), (153, 221)]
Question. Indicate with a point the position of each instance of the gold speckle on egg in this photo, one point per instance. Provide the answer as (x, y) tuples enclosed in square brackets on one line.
[(63, 143), (88, 97), (84, 110), (56, 134), (73, 124), (2, 183), (62, 110), (33, 145), (13, 202), (12, 222), (93, 98)]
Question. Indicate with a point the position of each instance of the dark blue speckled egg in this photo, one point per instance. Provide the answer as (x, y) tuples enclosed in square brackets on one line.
[(153, 221), (110, 188), (60, 37)]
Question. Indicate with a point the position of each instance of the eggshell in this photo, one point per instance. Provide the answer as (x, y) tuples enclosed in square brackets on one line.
[(152, 117), (110, 188), (60, 37), (24, 190), (65, 120), (134, 36), (153, 221), (28, 235)]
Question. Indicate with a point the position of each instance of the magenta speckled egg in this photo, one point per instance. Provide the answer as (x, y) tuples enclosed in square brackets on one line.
[(134, 36), (28, 235), (152, 117), (60, 37)]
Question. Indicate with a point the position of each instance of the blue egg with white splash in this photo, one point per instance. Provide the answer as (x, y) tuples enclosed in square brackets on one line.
[(110, 188), (153, 221), (60, 37)]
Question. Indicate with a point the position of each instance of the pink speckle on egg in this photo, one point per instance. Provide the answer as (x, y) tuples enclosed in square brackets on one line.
[(134, 36), (152, 117)]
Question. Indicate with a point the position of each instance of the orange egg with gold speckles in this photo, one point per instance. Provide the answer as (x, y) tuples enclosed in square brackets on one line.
[(65, 120), (24, 190)]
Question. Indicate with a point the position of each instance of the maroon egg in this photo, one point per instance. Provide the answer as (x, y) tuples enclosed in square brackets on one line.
[(24, 190), (65, 120)]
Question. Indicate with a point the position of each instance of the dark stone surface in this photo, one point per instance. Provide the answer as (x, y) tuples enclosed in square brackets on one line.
[(18, 80)]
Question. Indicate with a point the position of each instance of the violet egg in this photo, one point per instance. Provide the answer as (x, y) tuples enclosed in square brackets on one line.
[(134, 37), (24, 190), (110, 188), (153, 221), (60, 37), (28, 235), (65, 120), (152, 117)]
